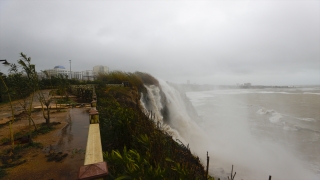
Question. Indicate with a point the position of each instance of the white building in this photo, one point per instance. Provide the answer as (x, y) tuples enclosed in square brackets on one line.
[(76, 74), (62, 70), (81, 75), (100, 69), (58, 70), (87, 75)]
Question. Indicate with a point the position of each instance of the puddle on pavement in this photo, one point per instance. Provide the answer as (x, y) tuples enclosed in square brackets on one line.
[(74, 135), (73, 140)]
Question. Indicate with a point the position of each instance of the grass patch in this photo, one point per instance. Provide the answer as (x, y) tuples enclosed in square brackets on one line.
[(22, 137), (44, 129), (65, 101), (21, 147), (3, 173), (17, 118), (4, 140), (2, 125), (57, 157), (14, 158)]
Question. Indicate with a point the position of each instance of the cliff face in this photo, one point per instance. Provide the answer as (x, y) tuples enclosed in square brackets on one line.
[(127, 131)]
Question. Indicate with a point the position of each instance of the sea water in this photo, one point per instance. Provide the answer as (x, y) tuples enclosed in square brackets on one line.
[(261, 132)]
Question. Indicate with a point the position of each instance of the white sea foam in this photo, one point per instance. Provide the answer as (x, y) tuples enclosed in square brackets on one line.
[(305, 128), (315, 138), (264, 111), (307, 119), (266, 92), (223, 91), (261, 111), (205, 94), (288, 128), (275, 92), (311, 93), (198, 99), (275, 118), (286, 93)]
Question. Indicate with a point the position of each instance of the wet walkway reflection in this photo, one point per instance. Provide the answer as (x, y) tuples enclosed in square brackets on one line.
[(72, 143), (75, 134)]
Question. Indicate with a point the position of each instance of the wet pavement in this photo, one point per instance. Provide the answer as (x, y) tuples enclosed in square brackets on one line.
[(74, 135), (72, 140)]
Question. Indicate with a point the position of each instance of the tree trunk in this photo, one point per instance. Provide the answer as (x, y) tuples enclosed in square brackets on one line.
[(48, 115), (29, 113), (12, 113)]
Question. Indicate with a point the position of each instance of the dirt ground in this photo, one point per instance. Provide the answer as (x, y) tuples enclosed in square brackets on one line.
[(63, 139)]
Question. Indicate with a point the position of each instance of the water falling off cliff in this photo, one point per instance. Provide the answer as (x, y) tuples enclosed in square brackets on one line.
[(228, 128)]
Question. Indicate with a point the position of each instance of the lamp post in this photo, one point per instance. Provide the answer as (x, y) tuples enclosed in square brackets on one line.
[(70, 70)]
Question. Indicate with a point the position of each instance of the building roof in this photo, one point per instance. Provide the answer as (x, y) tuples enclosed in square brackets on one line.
[(59, 67)]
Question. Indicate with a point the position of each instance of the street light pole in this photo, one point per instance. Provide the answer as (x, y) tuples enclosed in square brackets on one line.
[(70, 70)]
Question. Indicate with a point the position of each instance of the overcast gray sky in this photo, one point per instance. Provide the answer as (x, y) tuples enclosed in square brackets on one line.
[(213, 42)]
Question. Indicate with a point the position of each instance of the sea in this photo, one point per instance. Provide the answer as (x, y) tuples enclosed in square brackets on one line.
[(260, 132)]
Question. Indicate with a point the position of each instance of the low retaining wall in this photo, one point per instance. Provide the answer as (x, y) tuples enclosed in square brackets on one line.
[(94, 166)]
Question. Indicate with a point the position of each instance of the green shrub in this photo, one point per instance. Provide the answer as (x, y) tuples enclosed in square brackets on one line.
[(3, 173), (129, 164), (135, 148)]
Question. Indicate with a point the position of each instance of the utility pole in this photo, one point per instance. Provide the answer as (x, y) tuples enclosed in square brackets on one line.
[(70, 70)]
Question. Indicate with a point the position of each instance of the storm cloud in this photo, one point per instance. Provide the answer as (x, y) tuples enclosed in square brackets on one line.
[(212, 42)]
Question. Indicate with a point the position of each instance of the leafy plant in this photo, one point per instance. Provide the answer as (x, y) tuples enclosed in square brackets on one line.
[(133, 144), (129, 164), (12, 113), (3, 173), (28, 83)]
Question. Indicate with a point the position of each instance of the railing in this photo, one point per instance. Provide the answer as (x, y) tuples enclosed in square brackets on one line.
[(94, 167)]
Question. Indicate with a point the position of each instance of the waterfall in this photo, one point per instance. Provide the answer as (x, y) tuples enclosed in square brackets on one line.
[(178, 123), (151, 102), (226, 137)]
